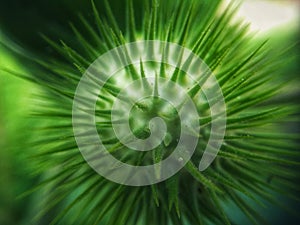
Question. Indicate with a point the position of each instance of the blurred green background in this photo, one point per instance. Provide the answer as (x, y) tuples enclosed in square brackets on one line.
[(14, 168)]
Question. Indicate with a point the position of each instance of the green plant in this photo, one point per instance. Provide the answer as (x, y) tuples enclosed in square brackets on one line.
[(258, 155)]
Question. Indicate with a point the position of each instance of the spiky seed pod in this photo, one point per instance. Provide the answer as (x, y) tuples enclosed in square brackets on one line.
[(257, 156)]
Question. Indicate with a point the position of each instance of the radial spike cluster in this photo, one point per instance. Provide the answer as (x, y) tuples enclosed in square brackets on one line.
[(258, 156)]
